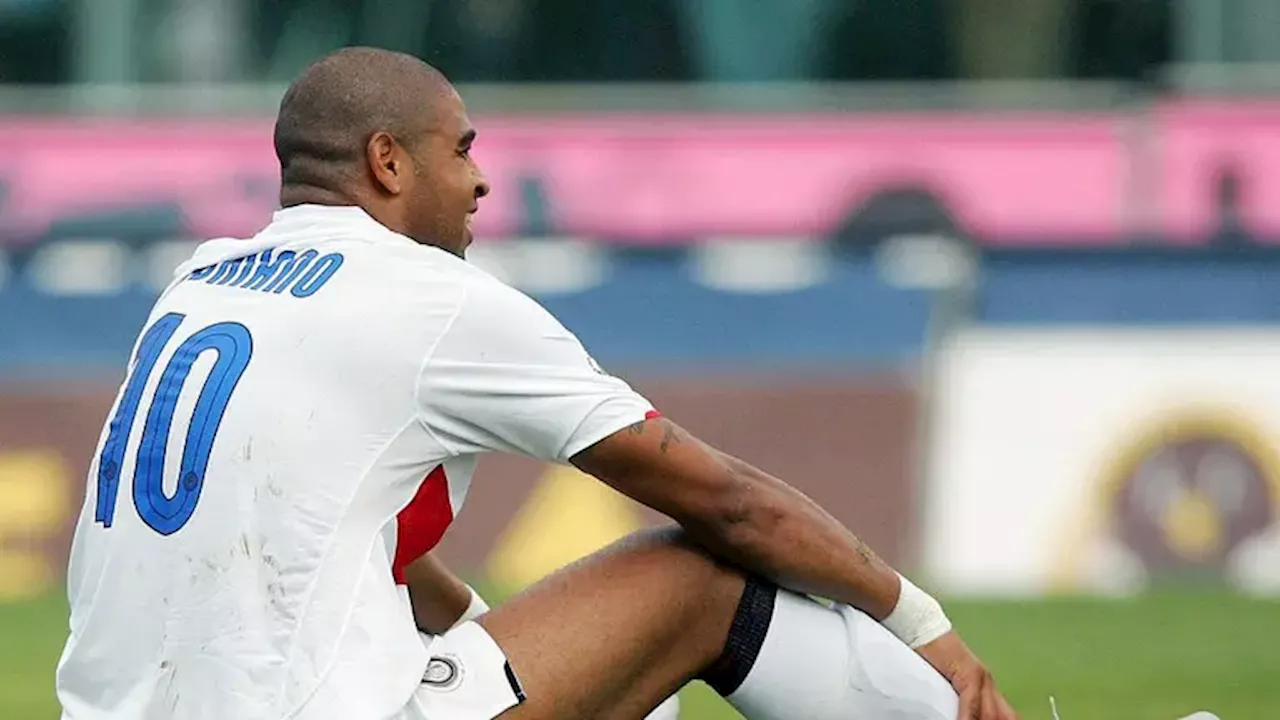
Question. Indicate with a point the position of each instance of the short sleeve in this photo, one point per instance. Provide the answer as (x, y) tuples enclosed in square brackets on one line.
[(506, 376)]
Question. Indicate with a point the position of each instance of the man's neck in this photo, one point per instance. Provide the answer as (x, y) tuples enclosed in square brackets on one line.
[(291, 195)]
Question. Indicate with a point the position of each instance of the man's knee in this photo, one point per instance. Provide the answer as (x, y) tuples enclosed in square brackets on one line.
[(673, 543), (726, 592), (669, 535)]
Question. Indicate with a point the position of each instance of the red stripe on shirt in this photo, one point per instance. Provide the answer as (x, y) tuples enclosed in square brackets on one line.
[(422, 522), (653, 415)]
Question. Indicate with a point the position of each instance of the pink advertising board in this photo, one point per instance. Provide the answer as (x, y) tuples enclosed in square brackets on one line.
[(1010, 179), (647, 179)]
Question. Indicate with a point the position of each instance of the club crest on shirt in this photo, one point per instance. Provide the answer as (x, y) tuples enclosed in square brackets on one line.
[(443, 672)]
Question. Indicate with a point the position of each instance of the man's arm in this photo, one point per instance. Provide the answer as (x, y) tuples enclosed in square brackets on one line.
[(763, 525), (742, 514), (440, 598)]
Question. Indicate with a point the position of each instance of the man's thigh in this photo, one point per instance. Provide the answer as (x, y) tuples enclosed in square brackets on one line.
[(614, 634)]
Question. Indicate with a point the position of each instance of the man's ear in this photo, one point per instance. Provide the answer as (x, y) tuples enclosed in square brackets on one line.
[(388, 162)]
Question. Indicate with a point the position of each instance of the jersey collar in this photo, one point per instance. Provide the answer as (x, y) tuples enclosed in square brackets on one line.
[(312, 214)]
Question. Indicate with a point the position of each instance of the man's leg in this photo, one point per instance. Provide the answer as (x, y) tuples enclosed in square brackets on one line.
[(668, 710), (614, 634)]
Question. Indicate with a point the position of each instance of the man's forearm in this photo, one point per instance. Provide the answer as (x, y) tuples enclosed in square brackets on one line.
[(782, 534), (753, 519)]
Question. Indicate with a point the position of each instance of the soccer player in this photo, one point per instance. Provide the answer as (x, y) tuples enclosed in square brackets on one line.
[(299, 425)]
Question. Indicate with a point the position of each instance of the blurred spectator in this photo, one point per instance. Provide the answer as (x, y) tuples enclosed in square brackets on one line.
[(1229, 190)]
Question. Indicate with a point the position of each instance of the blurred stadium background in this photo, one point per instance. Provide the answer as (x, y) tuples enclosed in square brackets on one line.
[(997, 282)]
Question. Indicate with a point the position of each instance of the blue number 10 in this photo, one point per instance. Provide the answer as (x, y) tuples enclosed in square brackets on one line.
[(164, 513)]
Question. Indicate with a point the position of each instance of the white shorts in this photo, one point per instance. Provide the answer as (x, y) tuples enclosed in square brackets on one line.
[(467, 678)]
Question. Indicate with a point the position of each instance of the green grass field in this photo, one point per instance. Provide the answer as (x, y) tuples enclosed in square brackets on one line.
[(1156, 658)]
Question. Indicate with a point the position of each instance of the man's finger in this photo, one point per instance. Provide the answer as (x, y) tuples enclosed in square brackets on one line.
[(969, 699), (991, 709), (994, 706)]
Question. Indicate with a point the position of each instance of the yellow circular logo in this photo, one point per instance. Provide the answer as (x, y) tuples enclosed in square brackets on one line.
[(1183, 495)]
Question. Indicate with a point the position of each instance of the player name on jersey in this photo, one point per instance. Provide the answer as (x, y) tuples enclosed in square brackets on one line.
[(302, 275)]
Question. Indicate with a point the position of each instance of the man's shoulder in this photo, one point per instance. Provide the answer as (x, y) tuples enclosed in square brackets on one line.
[(488, 295)]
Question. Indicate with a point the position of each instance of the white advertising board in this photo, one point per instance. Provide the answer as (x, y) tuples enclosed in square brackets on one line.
[(1104, 461)]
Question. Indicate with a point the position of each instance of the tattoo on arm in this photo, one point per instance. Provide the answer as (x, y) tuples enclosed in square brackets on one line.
[(670, 434), (866, 553)]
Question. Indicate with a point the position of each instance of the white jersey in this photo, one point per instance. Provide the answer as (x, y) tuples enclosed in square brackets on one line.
[(302, 416)]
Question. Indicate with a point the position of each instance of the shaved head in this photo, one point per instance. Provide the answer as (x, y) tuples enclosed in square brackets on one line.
[(332, 110), (384, 131)]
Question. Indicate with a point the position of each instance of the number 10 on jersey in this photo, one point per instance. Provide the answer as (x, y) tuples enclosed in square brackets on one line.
[(166, 514)]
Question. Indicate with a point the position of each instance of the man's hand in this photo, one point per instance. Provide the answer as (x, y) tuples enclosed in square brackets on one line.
[(438, 596), (979, 698)]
